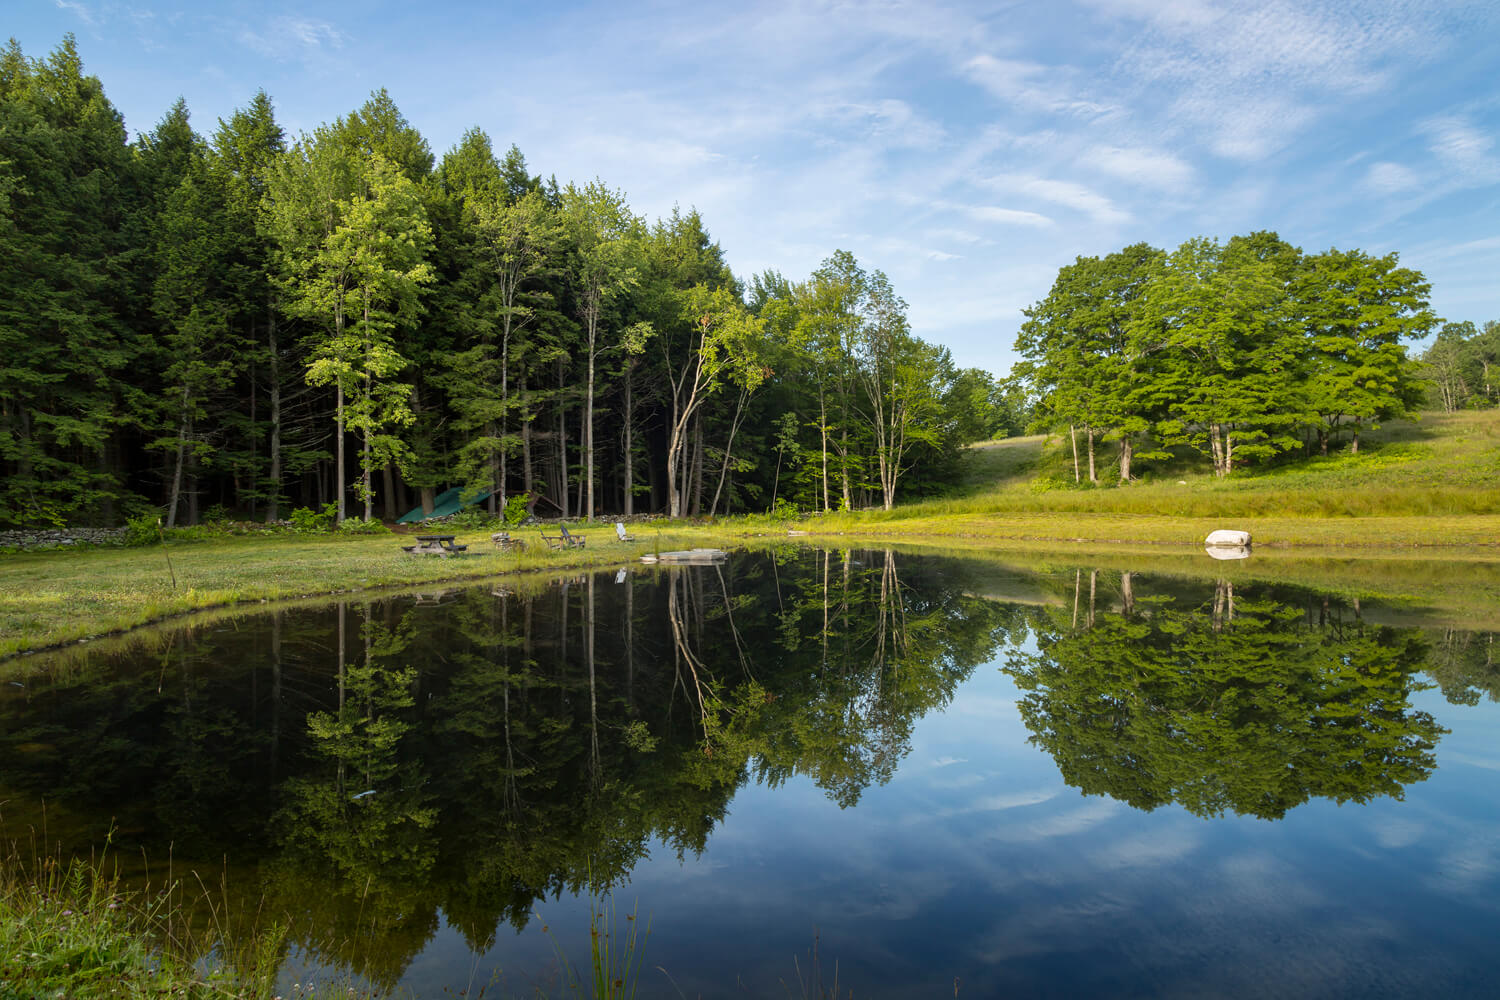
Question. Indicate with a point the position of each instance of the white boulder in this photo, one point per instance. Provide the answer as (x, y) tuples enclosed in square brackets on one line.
[(1227, 538)]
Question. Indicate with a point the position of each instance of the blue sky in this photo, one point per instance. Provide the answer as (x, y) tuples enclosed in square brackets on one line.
[(967, 150)]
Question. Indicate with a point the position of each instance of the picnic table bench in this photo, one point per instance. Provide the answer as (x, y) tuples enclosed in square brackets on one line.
[(434, 545)]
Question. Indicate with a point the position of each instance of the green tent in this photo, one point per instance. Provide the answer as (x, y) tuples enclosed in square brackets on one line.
[(447, 502)]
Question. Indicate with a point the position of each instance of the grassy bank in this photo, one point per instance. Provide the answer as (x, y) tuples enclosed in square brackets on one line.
[(52, 597)]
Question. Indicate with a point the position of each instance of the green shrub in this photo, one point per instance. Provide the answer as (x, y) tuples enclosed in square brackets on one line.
[(784, 510), (306, 521), (515, 509), (142, 529)]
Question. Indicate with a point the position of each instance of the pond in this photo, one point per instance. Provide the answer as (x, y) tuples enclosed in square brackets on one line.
[(909, 775)]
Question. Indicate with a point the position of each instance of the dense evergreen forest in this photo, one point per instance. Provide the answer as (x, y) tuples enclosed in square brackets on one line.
[(251, 322)]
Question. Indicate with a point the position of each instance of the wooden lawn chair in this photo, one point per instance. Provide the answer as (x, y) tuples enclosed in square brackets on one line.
[(620, 532)]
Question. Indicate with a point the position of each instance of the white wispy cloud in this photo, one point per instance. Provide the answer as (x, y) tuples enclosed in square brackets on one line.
[(1030, 85), (1008, 216), (1461, 146), (1390, 178), (82, 11), (1065, 193), (1143, 167), (292, 37)]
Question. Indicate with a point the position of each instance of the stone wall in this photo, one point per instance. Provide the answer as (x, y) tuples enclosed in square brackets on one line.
[(49, 538)]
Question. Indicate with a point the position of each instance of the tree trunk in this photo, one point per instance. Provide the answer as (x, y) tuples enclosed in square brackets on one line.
[(628, 443), (1093, 476), (1354, 444), (562, 444), (526, 481), (388, 484), (1073, 437), (823, 429), (844, 465), (273, 508), (588, 432), (367, 485), (339, 451), (182, 433), (1127, 449)]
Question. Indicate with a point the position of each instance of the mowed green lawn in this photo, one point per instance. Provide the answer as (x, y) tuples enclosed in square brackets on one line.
[(60, 596)]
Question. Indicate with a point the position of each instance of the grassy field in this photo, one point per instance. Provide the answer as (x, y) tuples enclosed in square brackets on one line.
[(1428, 488), (1433, 482), (51, 597)]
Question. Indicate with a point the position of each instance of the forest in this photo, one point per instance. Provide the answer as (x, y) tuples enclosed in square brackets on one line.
[(1242, 351), (250, 322)]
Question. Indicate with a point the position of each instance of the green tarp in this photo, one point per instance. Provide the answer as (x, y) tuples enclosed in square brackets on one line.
[(446, 503)]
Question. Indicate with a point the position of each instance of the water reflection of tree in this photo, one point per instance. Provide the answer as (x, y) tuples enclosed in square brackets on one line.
[(1466, 665), (1246, 703), (515, 745)]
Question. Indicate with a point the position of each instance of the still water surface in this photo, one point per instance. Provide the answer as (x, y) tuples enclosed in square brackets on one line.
[(1070, 784)]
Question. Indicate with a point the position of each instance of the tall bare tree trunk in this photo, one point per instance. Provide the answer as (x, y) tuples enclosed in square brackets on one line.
[(526, 482), (562, 445), (339, 452), (629, 442), (273, 508), (1073, 437), (823, 430)]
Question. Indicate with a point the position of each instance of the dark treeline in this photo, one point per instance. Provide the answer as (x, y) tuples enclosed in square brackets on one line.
[(1242, 351), (251, 322)]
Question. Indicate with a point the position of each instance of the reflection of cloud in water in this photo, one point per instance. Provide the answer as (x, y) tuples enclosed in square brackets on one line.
[(1000, 803), (1154, 848), (1182, 931), (985, 707), (1260, 879), (1039, 930), (1466, 866), (1488, 763), (1398, 832), (1066, 824), (957, 781), (949, 761)]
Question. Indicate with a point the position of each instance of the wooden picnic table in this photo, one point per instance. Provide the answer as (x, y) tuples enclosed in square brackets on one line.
[(434, 545)]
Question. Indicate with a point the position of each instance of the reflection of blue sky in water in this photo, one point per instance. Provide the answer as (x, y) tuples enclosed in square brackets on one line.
[(976, 861)]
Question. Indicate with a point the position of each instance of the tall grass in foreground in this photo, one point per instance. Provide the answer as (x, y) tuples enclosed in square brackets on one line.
[(70, 928)]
